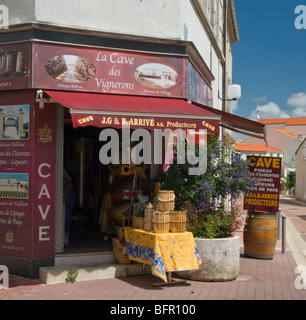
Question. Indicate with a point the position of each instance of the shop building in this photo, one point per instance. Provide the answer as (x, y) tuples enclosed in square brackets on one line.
[(300, 184), (68, 70), (283, 138)]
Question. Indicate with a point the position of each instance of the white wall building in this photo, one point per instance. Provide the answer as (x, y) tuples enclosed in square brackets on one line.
[(301, 171), (197, 25)]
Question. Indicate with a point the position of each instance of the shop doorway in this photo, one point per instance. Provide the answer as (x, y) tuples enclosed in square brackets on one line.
[(103, 193), (89, 179)]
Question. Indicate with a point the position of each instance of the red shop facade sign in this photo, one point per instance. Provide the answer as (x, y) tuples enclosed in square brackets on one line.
[(42, 65), (27, 178), (88, 69)]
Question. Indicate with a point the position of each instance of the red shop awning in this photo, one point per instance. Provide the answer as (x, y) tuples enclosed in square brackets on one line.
[(109, 110)]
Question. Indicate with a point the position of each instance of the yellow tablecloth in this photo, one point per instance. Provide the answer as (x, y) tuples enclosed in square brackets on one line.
[(164, 252)]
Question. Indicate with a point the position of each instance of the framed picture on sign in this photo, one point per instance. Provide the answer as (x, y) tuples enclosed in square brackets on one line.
[(14, 122)]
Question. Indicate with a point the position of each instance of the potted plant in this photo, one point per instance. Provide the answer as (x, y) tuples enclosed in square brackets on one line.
[(213, 213)]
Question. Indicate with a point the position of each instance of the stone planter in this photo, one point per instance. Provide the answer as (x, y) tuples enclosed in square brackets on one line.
[(220, 260)]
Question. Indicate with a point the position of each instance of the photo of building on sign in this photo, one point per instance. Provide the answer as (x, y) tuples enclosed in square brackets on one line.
[(156, 76), (14, 185), (70, 68), (12, 64), (14, 122)]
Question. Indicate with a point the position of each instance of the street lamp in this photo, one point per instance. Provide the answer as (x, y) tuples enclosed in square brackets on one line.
[(233, 92)]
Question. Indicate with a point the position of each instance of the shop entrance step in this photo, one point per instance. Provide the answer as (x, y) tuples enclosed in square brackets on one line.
[(59, 274), (84, 259)]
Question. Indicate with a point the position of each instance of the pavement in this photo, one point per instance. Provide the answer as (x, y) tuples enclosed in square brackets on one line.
[(282, 278)]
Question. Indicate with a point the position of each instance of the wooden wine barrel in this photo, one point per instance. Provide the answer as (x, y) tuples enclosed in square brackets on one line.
[(260, 235)]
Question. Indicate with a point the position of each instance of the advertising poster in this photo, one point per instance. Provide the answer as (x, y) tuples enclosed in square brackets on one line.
[(16, 153), (102, 70), (265, 196)]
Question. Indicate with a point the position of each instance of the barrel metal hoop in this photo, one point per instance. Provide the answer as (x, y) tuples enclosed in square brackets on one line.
[(264, 213), (260, 243), (260, 228), (264, 218)]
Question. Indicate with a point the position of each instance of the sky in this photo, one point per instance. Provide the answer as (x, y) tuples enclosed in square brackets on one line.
[(269, 61), (19, 176)]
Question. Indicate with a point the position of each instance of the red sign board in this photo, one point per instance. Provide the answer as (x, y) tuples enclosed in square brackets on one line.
[(16, 151), (73, 68), (136, 122), (100, 70), (27, 179), (44, 138), (265, 196)]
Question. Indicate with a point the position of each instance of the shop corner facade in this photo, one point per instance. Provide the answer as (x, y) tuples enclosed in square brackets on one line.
[(47, 61)]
